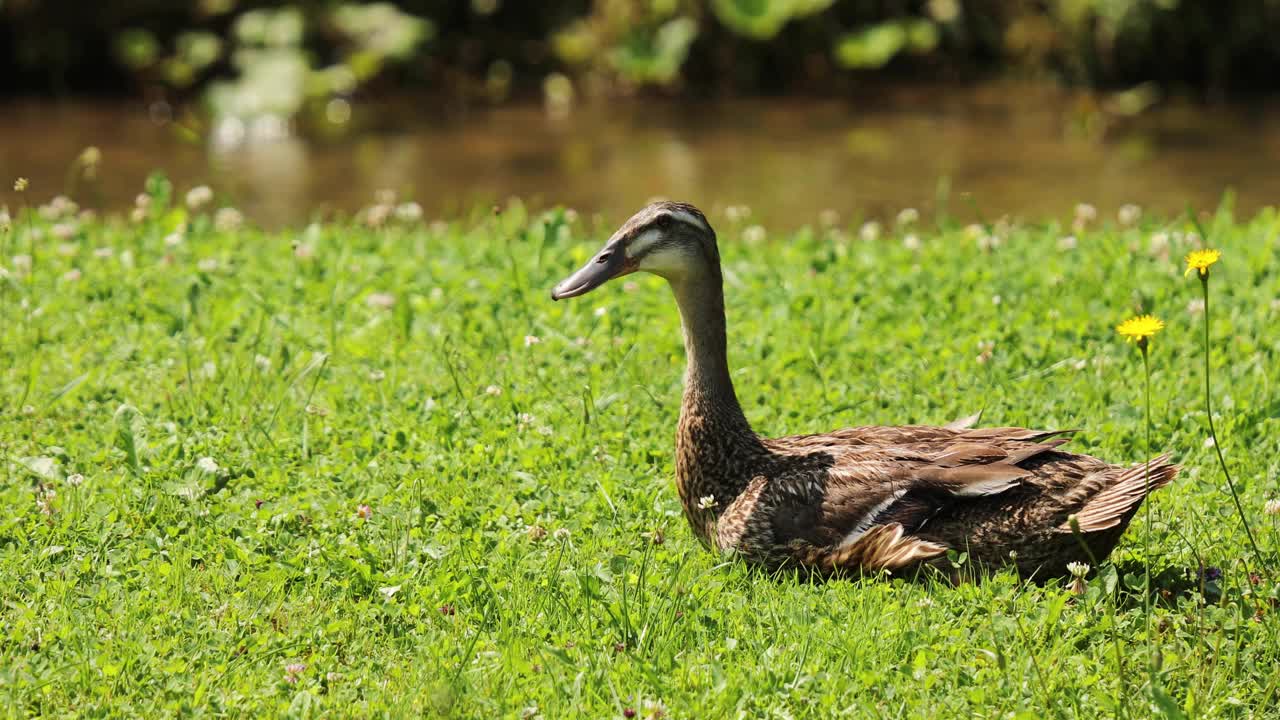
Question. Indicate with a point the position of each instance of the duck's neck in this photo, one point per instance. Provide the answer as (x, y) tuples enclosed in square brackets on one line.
[(714, 443)]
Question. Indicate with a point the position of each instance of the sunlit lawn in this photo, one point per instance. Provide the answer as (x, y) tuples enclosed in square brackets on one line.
[(343, 471)]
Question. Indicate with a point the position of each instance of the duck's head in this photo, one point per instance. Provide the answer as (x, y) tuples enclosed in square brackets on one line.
[(669, 239)]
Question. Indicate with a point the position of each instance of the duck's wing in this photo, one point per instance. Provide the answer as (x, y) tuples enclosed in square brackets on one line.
[(901, 478)]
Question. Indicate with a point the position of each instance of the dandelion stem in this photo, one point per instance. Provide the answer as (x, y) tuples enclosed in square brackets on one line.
[(1213, 433), (1146, 551)]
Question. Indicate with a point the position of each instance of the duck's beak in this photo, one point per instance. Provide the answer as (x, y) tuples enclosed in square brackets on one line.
[(609, 263)]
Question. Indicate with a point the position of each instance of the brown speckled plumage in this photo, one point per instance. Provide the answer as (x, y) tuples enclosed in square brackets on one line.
[(862, 499)]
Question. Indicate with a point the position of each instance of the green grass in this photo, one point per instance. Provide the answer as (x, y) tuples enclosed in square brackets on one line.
[(157, 588)]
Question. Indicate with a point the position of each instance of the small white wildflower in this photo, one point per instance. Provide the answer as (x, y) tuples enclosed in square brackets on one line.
[(525, 418), (228, 219), (908, 216), (209, 370), (600, 311), (75, 479), (71, 275), (317, 410), (376, 215), (706, 502), (987, 242), (389, 592), (304, 251), (530, 340), (1159, 244), (137, 216), (173, 239), (911, 242), (207, 265), (6, 222), (737, 213), (1067, 242), (561, 534), (1078, 569), (142, 201), (208, 465), (1129, 214), (262, 361), (996, 299), (63, 231), (493, 390), (1208, 442), (1085, 213), (1195, 306), (1272, 507), (869, 231), (28, 409), (529, 712), (754, 234), (198, 197), (377, 375), (409, 212), (381, 300), (22, 263)]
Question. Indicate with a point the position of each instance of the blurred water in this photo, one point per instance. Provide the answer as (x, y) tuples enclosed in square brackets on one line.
[(1029, 152)]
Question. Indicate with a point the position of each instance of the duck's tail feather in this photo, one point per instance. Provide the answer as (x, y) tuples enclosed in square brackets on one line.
[(1120, 499)]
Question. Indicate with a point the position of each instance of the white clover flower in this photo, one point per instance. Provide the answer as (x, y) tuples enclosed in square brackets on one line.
[(63, 231), (1067, 242), (1129, 214), (228, 219), (911, 241), (754, 234), (493, 390), (208, 465), (530, 340), (75, 479), (1086, 213), (908, 216), (198, 197), (1272, 507), (1078, 569), (377, 375), (1195, 306), (409, 212), (381, 300), (706, 502), (561, 534), (262, 361), (173, 239), (22, 263), (600, 311)]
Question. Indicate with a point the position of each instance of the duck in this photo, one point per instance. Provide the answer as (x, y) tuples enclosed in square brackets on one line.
[(865, 500)]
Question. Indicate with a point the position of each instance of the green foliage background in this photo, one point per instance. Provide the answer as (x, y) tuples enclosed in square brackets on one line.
[(492, 48)]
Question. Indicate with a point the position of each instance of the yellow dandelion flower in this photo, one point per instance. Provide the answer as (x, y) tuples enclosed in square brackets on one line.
[(1140, 328), (1201, 260)]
